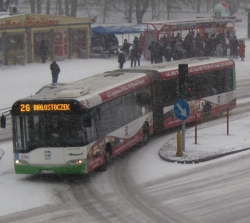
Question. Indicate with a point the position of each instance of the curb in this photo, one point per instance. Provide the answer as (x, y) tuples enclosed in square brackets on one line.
[(195, 161)]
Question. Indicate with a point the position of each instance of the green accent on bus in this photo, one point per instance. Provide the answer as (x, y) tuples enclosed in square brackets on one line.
[(75, 154), (66, 169)]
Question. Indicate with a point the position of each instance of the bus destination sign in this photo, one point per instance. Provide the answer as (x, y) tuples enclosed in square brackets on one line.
[(44, 107)]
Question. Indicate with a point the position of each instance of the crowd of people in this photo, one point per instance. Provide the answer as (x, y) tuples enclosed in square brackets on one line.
[(175, 47), (132, 52), (170, 48)]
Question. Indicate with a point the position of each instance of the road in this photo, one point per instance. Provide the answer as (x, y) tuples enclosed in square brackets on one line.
[(187, 197)]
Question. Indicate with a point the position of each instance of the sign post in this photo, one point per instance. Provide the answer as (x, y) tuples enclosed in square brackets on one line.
[(182, 111), (248, 24)]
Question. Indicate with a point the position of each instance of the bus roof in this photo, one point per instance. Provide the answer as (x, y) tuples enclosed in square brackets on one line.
[(196, 65), (102, 87)]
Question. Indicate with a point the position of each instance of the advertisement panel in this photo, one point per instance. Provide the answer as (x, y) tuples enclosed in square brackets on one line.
[(59, 45)]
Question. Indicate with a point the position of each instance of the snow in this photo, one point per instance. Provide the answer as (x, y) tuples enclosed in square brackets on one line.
[(20, 192)]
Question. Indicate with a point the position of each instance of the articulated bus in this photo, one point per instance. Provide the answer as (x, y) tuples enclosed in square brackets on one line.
[(78, 127)]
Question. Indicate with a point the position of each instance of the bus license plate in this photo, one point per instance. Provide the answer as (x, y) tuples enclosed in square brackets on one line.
[(47, 171)]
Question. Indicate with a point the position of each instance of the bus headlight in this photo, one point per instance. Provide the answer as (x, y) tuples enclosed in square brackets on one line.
[(21, 162), (75, 162)]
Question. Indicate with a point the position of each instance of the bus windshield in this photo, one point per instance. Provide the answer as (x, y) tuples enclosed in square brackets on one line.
[(36, 131)]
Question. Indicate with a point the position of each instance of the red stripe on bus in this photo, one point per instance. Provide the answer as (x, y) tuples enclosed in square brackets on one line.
[(198, 69), (125, 88)]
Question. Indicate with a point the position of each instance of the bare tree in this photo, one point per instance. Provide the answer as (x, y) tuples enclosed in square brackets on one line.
[(105, 9), (233, 6), (169, 4), (198, 6), (39, 7), (140, 9), (59, 7), (130, 10), (208, 4), (73, 8), (125, 6), (153, 7), (48, 7), (66, 3), (32, 6), (2, 9), (215, 2), (89, 5)]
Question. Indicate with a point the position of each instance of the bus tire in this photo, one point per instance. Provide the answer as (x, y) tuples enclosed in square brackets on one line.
[(207, 110), (107, 158), (104, 166)]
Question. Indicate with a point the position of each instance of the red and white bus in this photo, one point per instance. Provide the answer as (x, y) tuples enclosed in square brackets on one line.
[(78, 127)]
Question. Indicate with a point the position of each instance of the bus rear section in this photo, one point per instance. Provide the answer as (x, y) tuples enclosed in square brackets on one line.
[(209, 89)]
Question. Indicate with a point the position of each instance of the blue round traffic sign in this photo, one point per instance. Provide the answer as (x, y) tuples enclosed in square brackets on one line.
[(181, 109)]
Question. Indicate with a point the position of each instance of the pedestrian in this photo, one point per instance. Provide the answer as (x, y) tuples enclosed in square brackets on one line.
[(55, 70), (219, 50), (242, 47), (135, 54), (121, 59), (142, 42), (125, 48), (43, 51), (158, 52), (167, 53), (194, 51), (179, 52), (234, 47), (199, 44), (151, 48)]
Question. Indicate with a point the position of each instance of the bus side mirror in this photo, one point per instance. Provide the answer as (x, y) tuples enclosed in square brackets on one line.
[(3, 121)]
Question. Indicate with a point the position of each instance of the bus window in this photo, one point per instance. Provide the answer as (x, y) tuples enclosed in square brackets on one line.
[(170, 91), (229, 86), (87, 119), (129, 106)]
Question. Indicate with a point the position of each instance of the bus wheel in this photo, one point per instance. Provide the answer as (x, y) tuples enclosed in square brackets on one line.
[(104, 166), (107, 159), (207, 110)]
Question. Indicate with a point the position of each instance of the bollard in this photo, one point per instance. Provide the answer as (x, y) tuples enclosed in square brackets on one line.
[(179, 152)]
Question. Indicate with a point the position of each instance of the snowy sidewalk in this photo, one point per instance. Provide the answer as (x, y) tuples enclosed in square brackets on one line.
[(212, 142)]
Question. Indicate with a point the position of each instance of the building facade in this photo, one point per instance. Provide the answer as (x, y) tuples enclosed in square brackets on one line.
[(64, 37)]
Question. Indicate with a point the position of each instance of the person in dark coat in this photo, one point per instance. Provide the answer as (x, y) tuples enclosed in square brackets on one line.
[(199, 45), (234, 47), (135, 54), (213, 45), (179, 52), (121, 59), (167, 53), (151, 48), (187, 43), (43, 50), (194, 51), (125, 48), (55, 70), (158, 52)]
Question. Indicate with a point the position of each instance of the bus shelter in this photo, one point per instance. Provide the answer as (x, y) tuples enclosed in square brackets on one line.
[(21, 36), (157, 29)]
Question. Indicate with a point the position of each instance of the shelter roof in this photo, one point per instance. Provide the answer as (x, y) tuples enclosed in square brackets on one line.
[(23, 20), (175, 25), (120, 29)]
